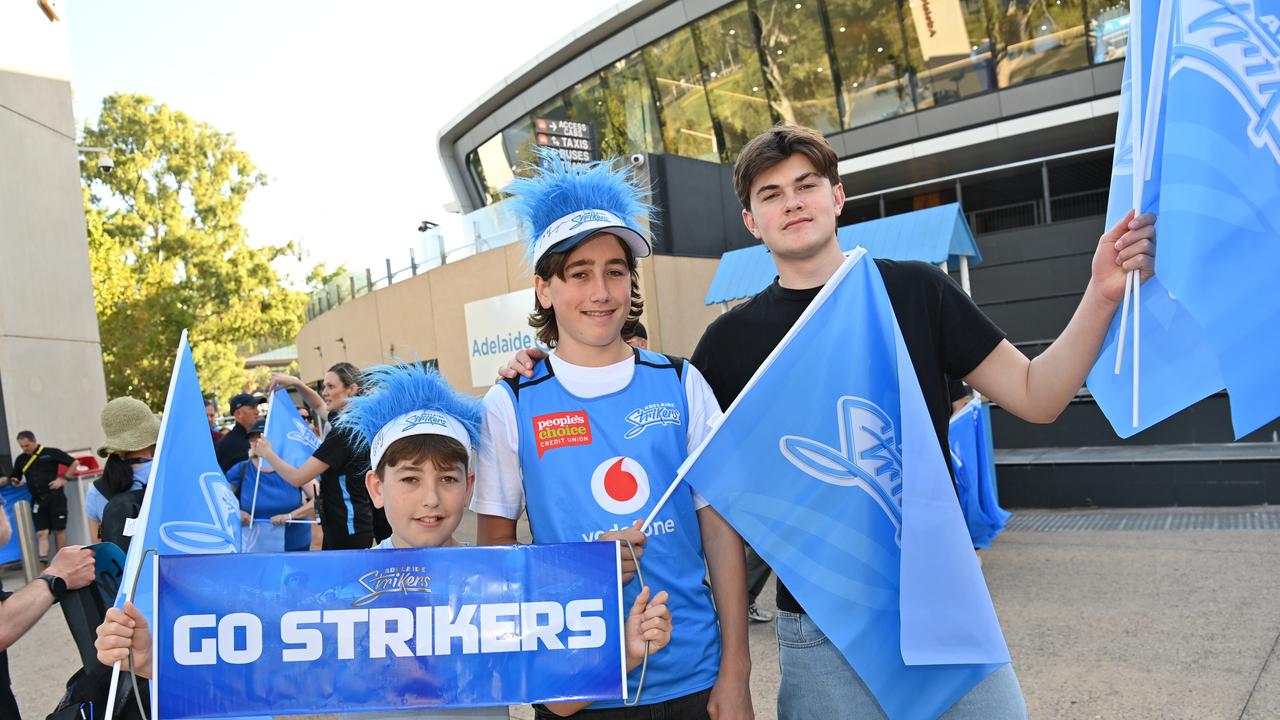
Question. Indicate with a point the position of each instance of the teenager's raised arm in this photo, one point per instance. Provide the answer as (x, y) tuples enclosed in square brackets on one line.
[(1038, 390)]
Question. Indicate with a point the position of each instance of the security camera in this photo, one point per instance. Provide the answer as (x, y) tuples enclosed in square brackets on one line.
[(104, 163), (637, 159)]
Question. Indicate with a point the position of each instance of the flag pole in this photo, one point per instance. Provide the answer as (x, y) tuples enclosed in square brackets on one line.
[(1137, 301), (129, 580), (1124, 321), (253, 507)]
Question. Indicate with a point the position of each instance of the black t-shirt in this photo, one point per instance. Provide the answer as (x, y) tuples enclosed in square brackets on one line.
[(43, 470), (946, 335), (233, 448), (346, 511)]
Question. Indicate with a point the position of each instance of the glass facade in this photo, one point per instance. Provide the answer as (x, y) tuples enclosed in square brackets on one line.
[(733, 77), (705, 89), (683, 110)]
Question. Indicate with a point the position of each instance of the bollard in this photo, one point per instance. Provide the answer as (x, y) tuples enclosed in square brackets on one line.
[(26, 530)]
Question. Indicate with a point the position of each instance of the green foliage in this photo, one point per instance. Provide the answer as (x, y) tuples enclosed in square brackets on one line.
[(168, 252), (320, 276)]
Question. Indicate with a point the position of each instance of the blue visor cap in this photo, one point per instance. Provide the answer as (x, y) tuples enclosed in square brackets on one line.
[(566, 233)]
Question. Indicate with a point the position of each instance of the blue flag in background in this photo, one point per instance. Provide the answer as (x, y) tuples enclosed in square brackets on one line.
[(288, 433), (973, 459), (1198, 141), (839, 483)]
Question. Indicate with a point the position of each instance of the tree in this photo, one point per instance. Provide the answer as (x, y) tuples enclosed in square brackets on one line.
[(167, 251), (320, 276)]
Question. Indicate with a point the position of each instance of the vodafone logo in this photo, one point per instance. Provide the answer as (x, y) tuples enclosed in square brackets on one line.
[(620, 485)]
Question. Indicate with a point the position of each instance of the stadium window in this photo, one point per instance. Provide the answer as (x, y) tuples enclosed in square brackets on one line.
[(797, 66), (876, 66), (726, 43), (588, 102), (953, 43), (517, 141), (1107, 31), (681, 99), (491, 168), (1039, 39), (632, 117)]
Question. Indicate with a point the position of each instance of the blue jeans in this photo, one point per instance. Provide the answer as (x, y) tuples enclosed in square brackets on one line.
[(817, 682)]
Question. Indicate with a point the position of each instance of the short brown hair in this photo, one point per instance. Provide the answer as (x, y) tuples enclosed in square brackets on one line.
[(777, 144), (544, 319), (445, 453)]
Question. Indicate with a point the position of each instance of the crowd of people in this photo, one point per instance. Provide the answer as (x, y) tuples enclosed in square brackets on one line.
[(375, 484)]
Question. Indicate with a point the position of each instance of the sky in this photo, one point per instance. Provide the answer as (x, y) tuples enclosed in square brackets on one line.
[(339, 103)]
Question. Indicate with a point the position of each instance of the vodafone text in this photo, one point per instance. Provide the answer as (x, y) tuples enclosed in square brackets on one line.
[(237, 638), (657, 527)]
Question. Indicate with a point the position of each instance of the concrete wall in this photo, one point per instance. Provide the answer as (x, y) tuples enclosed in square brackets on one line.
[(50, 356), (422, 318)]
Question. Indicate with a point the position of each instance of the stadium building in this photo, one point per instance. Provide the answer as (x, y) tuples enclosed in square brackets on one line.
[(1004, 110)]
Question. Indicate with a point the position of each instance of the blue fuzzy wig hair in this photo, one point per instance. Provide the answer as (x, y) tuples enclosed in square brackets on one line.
[(391, 391), (555, 188)]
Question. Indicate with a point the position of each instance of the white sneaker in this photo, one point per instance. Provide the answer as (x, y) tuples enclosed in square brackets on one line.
[(757, 614)]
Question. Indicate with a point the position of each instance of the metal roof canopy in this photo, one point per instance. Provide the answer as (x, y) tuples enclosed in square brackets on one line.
[(935, 235)]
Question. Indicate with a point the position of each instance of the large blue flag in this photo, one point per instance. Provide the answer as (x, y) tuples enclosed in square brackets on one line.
[(1198, 142), (974, 462), (189, 508), (838, 481)]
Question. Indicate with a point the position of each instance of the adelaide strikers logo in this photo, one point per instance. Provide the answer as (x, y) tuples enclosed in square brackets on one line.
[(620, 485), (1237, 44), (869, 457)]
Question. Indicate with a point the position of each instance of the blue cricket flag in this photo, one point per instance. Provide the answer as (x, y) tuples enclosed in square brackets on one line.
[(388, 630), (973, 459), (288, 433), (189, 508), (838, 481), (1198, 142)]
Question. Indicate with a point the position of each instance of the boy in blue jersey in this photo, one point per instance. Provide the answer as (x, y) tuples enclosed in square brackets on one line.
[(592, 441), (422, 475)]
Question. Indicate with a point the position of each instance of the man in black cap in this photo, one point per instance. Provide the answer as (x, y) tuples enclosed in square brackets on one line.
[(234, 446)]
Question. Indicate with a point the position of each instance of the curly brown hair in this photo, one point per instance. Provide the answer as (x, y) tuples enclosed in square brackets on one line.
[(544, 319)]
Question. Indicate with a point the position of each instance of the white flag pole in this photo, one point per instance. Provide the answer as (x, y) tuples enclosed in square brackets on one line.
[(1137, 302), (1124, 321), (253, 506)]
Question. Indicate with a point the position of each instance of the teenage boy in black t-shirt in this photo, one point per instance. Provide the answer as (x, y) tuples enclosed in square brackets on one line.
[(45, 471), (789, 187)]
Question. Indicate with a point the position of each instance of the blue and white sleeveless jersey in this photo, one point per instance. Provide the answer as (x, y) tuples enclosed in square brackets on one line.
[(595, 464)]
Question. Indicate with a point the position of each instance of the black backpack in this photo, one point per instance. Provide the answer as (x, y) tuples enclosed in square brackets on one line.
[(119, 510), (88, 690)]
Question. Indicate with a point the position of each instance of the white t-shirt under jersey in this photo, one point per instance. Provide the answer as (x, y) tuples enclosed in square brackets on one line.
[(499, 481)]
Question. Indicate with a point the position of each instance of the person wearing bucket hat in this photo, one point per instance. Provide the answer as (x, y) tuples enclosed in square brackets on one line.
[(621, 420), (130, 433)]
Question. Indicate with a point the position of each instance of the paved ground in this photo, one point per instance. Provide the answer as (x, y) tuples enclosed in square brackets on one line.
[(1102, 624)]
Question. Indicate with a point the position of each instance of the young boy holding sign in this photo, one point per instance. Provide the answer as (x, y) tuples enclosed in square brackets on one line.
[(421, 439)]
